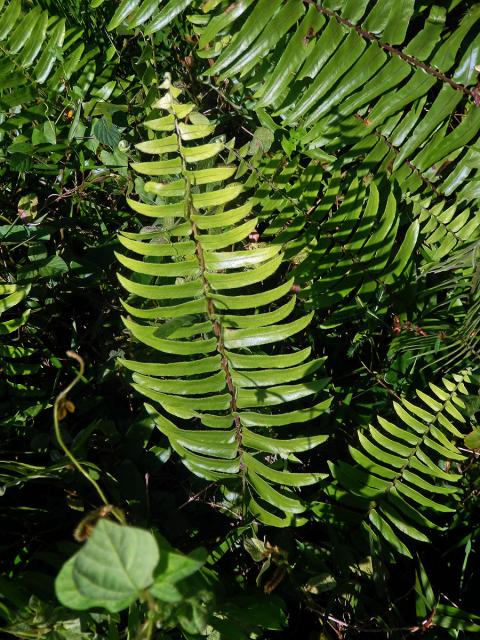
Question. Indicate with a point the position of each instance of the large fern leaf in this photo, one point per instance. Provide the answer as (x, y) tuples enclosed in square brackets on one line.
[(344, 72), (216, 320)]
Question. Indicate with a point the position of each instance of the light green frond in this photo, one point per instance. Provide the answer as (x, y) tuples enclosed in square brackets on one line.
[(208, 373)]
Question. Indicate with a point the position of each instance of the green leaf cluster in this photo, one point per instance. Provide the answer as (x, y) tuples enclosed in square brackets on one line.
[(254, 225)]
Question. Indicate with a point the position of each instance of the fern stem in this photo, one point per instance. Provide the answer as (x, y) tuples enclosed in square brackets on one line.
[(211, 312), (411, 60)]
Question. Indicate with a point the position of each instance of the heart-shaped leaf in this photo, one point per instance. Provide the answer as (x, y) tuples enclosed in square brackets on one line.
[(112, 569)]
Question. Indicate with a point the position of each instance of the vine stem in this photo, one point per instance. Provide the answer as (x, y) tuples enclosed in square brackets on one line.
[(58, 434)]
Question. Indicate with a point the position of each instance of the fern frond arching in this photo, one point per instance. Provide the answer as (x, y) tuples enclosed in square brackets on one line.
[(39, 55), (345, 74), (406, 471), (214, 324)]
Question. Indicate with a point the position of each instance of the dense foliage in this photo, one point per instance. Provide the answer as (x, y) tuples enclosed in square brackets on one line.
[(239, 319)]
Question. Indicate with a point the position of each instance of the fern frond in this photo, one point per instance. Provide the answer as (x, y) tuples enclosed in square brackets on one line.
[(448, 314), (216, 366), (406, 471), (445, 228), (345, 74), (358, 252)]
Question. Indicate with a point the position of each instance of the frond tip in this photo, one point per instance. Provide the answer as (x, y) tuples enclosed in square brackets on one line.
[(214, 317)]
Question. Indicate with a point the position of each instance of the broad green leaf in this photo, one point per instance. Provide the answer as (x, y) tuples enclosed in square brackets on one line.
[(106, 133), (13, 299), (262, 141), (113, 567), (67, 591)]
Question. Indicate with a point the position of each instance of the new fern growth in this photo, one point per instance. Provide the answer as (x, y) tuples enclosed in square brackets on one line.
[(235, 401)]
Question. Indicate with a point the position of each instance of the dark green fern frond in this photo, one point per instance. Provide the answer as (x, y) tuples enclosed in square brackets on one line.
[(405, 472), (357, 254), (346, 75), (444, 333), (34, 46)]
